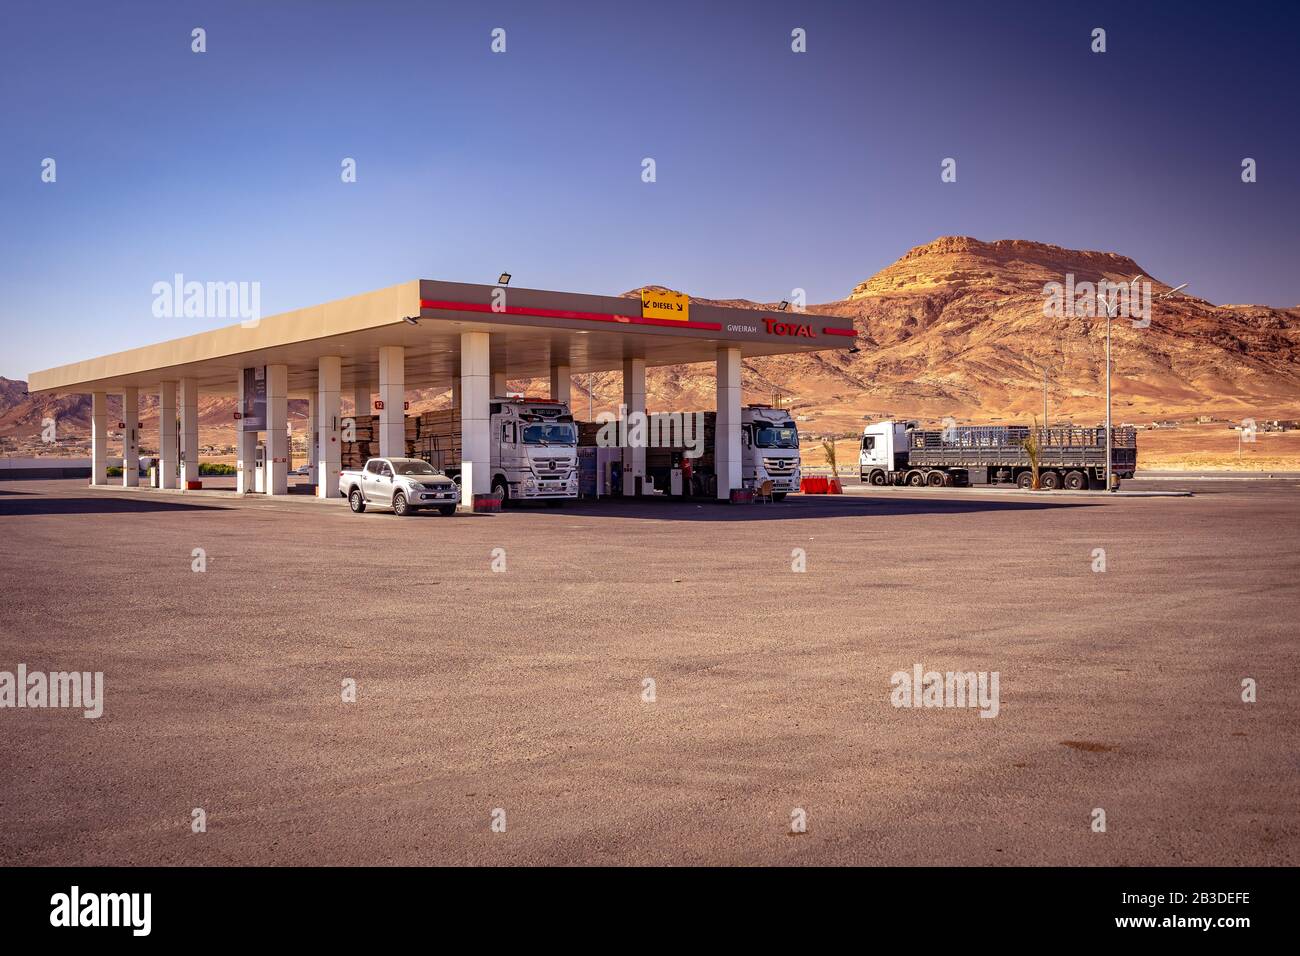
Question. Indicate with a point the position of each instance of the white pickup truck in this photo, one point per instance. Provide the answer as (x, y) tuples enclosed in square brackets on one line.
[(404, 484)]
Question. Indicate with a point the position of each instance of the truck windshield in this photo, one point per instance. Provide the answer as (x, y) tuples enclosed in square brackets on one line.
[(414, 468), (550, 433), (776, 436)]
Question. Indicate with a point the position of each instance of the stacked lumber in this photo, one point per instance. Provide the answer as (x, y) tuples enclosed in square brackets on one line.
[(356, 453), (435, 437)]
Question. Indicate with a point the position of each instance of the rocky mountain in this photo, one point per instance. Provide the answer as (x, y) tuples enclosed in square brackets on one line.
[(955, 327)]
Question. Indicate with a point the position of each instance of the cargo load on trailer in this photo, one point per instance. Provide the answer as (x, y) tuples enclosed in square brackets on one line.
[(1069, 456)]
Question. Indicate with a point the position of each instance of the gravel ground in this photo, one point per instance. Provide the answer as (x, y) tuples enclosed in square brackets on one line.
[(523, 689)]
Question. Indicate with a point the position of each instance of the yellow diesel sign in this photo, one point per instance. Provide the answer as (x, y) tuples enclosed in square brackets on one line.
[(661, 304)]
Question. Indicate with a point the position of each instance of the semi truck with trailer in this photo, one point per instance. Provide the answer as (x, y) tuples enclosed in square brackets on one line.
[(1069, 456), (769, 452), (533, 447)]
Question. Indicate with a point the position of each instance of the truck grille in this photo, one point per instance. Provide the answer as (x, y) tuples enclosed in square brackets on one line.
[(551, 469), (779, 467)]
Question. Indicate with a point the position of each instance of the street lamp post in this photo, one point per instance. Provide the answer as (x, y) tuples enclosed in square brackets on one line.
[(1111, 306), (1110, 483), (1044, 396)]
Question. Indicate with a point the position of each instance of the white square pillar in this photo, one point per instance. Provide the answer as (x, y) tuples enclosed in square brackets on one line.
[(475, 417), (130, 437), (561, 383), (633, 402), (329, 450), (277, 429), (245, 448), (499, 386), (98, 438), (392, 392), (189, 430), (726, 438), (168, 438)]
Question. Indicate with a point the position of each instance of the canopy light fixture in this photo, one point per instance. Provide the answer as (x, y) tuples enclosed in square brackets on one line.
[(504, 279), (411, 319), (783, 306)]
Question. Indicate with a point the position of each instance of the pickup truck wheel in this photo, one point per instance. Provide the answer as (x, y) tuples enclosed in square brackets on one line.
[(1076, 481), (399, 505), (356, 502), (446, 510)]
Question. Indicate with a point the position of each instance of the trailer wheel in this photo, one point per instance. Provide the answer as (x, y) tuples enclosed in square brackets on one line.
[(915, 479), (934, 479), (1076, 481), (1050, 480), (1025, 480), (356, 502), (879, 478)]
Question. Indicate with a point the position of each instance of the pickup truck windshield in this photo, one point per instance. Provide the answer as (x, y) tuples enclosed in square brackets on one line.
[(776, 436), (550, 433), (414, 468)]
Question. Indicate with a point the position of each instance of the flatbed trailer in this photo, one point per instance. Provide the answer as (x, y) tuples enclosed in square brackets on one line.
[(1069, 456)]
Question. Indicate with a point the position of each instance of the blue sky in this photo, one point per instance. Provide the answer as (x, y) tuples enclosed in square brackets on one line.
[(775, 170)]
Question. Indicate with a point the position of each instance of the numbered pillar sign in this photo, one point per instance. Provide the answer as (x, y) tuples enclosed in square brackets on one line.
[(379, 404)]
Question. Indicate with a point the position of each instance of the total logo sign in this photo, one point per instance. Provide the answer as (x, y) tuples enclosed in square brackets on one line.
[(777, 327)]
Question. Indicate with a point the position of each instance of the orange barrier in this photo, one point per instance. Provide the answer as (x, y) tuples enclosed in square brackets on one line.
[(835, 488), (815, 485)]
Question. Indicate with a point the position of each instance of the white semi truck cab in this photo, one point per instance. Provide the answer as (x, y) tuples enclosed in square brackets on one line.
[(884, 448), (769, 444), (534, 450)]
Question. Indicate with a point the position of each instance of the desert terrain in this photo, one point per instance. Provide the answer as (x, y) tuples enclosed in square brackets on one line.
[(953, 328)]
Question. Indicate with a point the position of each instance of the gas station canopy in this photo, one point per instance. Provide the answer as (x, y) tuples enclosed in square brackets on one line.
[(532, 331)]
